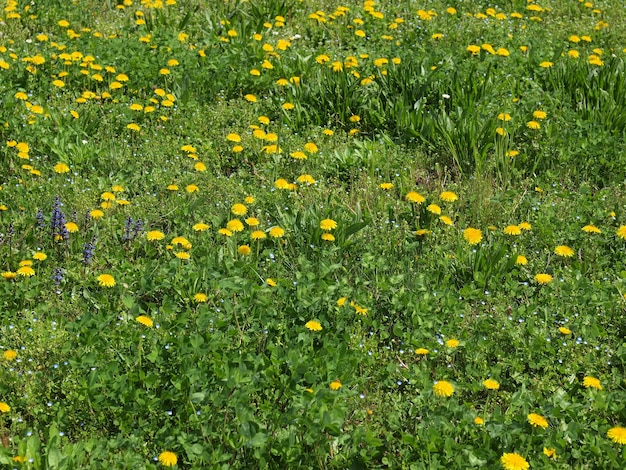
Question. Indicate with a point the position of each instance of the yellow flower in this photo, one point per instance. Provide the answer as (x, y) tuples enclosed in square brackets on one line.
[(434, 208), (26, 271), (8, 275), (592, 382), (252, 221), (563, 250), (271, 282), (239, 209), (313, 325), (155, 235), (182, 255), (96, 214), (328, 224), (9, 355), (617, 435), (329, 237), (514, 461), (305, 179), (40, 256), (310, 147), (71, 227), (106, 280), (565, 331), (443, 388), (621, 232), (235, 225), (225, 232), (452, 343), (276, 232), (386, 186), (244, 250), (4, 408), (258, 235), (478, 421), (473, 236), (525, 226), (543, 279), (421, 351), (250, 97), (448, 196), (546, 64), (549, 452), (537, 420), (133, 127), (168, 459), (414, 197), (298, 155), (144, 320), (282, 183), (491, 384), (172, 187), (191, 188), (512, 230), (591, 229), (533, 125), (200, 227), (200, 297), (233, 138), (446, 220), (335, 385), (539, 114), (61, 168)]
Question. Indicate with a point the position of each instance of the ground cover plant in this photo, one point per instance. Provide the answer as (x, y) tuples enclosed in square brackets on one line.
[(275, 234)]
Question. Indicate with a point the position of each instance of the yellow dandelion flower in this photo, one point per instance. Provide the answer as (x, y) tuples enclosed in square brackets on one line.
[(537, 420), (26, 271), (414, 197), (239, 209), (452, 343), (421, 351), (549, 452), (61, 168), (448, 196), (565, 331), (328, 237), (491, 384), (144, 320), (235, 225), (386, 186), (313, 325), (182, 255), (168, 459), (592, 382), (564, 251), (191, 188), (513, 230), (200, 297), (225, 232), (533, 125), (328, 224), (617, 435), (539, 114), (478, 421), (155, 235), (543, 278), (473, 236), (443, 388), (244, 250), (514, 461), (621, 232), (276, 232), (521, 260), (258, 235), (4, 408), (71, 227), (335, 385), (40, 256), (9, 355), (271, 282), (434, 208), (200, 227), (106, 280), (591, 229)]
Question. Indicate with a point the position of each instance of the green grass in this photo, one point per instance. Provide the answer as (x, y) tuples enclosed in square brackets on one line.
[(199, 345)]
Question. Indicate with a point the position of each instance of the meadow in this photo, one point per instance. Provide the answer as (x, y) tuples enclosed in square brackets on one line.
[(312, 234)]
